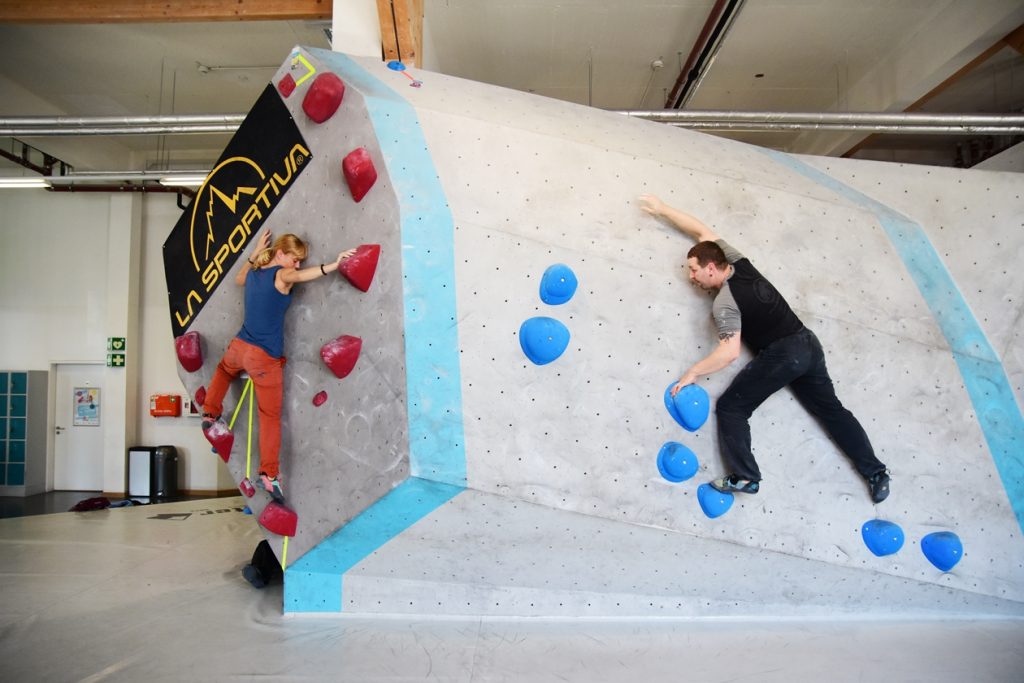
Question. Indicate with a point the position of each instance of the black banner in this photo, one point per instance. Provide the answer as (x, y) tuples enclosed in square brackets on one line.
[(258, 166)]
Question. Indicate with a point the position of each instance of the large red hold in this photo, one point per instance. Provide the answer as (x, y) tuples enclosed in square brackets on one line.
[(359, 171), (341, 354), (323, 97), (277, 519), (360, 267), (220, 437), (189, 350)]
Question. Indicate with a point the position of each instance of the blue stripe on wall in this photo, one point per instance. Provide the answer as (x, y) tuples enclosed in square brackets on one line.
[(984, 376), (437, 456), (315, 583)]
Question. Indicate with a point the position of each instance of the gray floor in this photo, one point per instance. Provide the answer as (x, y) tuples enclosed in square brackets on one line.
[(156, 594), (63, 501)]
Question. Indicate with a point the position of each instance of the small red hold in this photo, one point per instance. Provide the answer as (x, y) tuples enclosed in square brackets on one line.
[(320, 398), (359, 171), (286, 86), (247, 488), (323, 97), (189, 350), (220, 437), (360, 267), (277, 519), (341, 354), (200, 396)]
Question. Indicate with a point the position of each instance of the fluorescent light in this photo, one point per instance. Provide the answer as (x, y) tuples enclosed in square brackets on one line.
[(183, 180), (23, 182)]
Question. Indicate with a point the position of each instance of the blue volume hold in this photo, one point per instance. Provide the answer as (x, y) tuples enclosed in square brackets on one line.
[(396, 65), (692, 405), (670, 406), (543, 339), (943, 549), (713, 503), (676, 462), (557, 285), (882, 537)]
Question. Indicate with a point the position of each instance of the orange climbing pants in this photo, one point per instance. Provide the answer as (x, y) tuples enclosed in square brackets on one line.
[(268, 381)]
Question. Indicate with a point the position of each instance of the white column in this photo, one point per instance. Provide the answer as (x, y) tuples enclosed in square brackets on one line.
[(356, 28), (120, 386)]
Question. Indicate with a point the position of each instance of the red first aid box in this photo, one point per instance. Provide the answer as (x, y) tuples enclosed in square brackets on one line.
[(165, 405)]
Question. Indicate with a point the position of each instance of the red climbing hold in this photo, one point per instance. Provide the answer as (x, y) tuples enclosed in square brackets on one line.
[(200, 396), (247, 488), (320, 398), (277, 519), (341, 354), (360, 267), (286, 85), (190, 353), (220, 437), (359, 172), (323, 97)]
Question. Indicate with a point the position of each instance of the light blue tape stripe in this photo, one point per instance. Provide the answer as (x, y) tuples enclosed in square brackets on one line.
[(433, 377), (434, 384), (315, 583), (982, 371)]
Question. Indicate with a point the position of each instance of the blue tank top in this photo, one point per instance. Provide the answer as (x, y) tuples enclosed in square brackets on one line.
[(264, 311)]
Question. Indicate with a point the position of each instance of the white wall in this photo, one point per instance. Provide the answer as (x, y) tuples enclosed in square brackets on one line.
[(61, 296)]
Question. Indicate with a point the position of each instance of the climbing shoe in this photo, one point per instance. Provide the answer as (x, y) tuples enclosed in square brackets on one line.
[(273, 487), (209, 420), (733, 484), (879, 485), (253, 576)]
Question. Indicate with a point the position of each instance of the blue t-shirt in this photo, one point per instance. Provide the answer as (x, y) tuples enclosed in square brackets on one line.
[(264, 311)]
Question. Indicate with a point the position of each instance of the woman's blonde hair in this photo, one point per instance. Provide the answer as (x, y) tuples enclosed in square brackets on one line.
[(288, 243)]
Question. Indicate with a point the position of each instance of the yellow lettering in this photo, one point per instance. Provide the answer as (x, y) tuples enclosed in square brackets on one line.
[(210, 276), (188, 304), (219, 257), (239, 233)]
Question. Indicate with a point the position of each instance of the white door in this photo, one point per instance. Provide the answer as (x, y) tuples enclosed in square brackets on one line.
[(78, 420)]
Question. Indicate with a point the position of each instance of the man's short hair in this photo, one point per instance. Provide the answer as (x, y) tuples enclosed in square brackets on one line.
[(708, 252)]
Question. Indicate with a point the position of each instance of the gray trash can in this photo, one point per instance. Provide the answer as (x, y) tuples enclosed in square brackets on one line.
[(164, 472)]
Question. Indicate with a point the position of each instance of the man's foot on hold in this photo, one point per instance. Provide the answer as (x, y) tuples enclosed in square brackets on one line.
[(879, 485), (733, 484), (273, 487)]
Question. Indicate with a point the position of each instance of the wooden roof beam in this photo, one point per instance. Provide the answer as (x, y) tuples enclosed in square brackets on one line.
[(401, 30), (153, 11)]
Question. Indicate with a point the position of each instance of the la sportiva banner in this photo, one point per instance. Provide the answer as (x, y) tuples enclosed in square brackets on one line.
[(261, 163)]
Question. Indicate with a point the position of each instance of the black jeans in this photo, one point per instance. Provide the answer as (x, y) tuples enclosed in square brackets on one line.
[(797, 361)]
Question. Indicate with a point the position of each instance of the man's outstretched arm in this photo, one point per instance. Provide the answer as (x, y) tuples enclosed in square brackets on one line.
[(690, 226)]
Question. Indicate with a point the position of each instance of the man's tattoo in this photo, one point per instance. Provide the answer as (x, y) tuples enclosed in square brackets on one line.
[(725, 336)]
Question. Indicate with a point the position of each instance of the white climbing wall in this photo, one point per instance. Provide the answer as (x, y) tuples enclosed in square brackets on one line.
[(560, 508)]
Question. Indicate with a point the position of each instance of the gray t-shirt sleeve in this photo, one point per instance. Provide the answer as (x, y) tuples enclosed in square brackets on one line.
[(731, 255), (726, 313)]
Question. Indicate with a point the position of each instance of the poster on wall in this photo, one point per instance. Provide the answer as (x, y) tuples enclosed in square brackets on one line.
[(87, 407)]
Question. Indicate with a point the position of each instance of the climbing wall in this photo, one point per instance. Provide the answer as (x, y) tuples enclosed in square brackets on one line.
[(541, 319)]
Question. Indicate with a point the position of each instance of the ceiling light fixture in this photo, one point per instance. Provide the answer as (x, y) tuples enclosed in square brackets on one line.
[(183, 180), (22, 183)]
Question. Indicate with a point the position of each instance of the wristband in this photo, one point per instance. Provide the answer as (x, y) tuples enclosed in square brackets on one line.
[(322, 271)]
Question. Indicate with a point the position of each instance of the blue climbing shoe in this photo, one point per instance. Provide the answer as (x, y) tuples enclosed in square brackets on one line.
[(733, 484)]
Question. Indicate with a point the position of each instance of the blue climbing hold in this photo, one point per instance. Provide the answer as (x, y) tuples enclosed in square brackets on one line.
[(670, 405), (396, 65), (246, 510), (713, 503), (676, 462), (558, 284), (692, 405), (943, 549), (543, 339), (882, 537)]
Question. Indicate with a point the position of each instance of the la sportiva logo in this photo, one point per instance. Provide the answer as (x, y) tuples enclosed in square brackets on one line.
[(260, 164)]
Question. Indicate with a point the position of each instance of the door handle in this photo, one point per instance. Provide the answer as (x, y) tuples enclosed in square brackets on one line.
[(58, 429)]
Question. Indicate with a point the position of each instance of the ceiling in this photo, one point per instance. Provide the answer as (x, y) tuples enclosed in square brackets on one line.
[(778, 55)]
